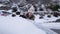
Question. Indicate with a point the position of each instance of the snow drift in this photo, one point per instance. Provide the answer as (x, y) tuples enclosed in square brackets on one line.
[(18, 25)]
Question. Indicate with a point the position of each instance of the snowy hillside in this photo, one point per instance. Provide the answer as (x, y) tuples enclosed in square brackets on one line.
[(29, 17), (18, 25), (47, 22)]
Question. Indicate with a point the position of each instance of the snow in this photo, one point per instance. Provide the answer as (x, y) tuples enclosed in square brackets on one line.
[(42, 24), (45, 19), (2, 5), (45, 22), (51, 25), (31, 9), (18, 25), (37, 20)]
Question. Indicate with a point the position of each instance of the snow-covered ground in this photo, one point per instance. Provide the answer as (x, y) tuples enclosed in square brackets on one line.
[(45, 19), (2, 5), (45, 22), (18, 25)]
